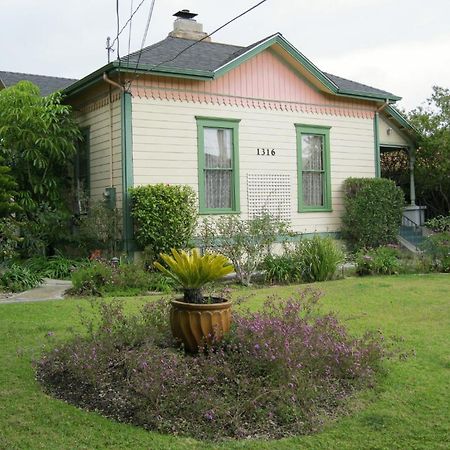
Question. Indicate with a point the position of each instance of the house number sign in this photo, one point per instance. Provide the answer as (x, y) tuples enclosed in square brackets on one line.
[(265, 152)]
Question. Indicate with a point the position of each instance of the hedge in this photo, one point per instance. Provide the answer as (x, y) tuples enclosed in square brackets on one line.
[(373, 212), (165, 217)]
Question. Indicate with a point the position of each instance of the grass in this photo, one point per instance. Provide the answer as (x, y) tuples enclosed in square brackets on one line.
[(409, 409)]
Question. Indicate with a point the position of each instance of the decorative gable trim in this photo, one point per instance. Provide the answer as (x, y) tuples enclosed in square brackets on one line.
[(326, 82)]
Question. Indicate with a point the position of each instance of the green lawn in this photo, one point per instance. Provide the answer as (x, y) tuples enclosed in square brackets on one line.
[(409, 409)]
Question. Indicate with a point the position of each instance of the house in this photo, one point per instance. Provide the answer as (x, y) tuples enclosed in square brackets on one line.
[(46, 84), (248, 128)]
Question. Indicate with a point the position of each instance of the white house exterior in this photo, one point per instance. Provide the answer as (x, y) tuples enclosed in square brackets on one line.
[(248, 128)]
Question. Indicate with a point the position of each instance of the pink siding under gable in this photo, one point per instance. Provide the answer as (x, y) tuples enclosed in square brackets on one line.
[(263, 81)]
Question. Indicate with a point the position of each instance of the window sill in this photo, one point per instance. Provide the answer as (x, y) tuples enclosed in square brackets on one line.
[(308, 210), (211, 212)]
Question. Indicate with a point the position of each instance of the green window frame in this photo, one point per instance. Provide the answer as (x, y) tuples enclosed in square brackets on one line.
[(303, 130), (224, 124)]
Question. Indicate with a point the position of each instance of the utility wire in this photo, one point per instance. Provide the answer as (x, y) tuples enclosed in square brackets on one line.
[(118, 32), (196, 42), (148, 24), (149, 18), (209, 35), (129, 33), (116, 39), (127, 22)]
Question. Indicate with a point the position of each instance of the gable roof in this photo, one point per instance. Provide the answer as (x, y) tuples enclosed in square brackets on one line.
[(46, 84), (205, 60), (209, 60), (214, 57)]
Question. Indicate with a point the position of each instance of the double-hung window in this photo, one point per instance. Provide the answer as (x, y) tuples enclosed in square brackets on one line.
[(313, 160), (218, 165)]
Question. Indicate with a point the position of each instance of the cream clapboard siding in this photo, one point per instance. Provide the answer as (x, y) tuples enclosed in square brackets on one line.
[(165, 149), (394, 137), (98, 122)]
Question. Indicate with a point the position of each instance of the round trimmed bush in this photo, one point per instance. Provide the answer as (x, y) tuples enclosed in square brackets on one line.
[(165, 217), (373, 212)]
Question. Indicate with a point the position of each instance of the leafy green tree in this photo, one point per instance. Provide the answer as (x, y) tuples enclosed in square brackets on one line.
[(37, 140), (432, 168), (9, 239), (7, 191)]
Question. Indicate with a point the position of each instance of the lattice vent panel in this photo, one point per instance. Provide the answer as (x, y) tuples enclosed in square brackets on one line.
[(269, 193)]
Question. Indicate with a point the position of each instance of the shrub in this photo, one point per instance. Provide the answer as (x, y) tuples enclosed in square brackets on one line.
[(319, 258), (373, 212), (91, 280), (310, 260), (9, 239), (285, 268), (165, 217), (100, 229), (56, 266), (17, 278), (420, 263), (437, 246), (133, 279), (42, 232), (282, 371), (244, 242), (380, 261), (100, 278), (439, 224)]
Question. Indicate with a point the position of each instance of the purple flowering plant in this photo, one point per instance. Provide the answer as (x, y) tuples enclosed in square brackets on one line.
[(282, 370)]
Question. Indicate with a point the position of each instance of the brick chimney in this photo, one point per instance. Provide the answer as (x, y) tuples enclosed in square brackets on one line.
[(186, 27)]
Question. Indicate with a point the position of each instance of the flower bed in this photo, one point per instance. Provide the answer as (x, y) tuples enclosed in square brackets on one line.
[(281, 371)]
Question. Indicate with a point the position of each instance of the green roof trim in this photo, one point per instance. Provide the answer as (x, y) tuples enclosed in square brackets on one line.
[(332, 84), (269, 42), (114, 66), (306, 63), (402, 120), (172, 71)]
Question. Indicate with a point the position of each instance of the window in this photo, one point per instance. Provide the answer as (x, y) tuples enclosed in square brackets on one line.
[(218, 165), (82, 175), (313, 159)]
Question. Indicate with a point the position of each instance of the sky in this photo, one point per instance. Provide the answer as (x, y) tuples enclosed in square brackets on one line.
[(402, 46)]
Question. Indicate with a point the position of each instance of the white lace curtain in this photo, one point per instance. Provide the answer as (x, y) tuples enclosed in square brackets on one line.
[(312, 170), (218, 167)]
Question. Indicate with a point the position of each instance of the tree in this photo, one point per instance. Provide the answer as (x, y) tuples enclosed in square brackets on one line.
[(38, 137), (37, 140), (432, 169), (7, 191)]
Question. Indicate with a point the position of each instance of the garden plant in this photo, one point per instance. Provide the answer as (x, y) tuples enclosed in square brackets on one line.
[(197, 320), (283, 370)]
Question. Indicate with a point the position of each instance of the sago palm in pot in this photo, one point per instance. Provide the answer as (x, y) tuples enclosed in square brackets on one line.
[(196, 320)]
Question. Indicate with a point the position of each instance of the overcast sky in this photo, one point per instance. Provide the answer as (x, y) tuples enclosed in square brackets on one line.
[(402, 46)]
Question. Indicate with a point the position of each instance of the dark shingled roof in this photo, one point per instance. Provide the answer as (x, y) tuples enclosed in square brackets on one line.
[(205, 56), (343, 83), (209, 56), (47, 84)]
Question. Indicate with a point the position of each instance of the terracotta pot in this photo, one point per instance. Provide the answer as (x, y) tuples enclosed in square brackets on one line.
[(195, 324)]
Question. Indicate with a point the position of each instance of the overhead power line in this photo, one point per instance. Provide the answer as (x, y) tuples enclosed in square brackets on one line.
[(196, 42), (209, 35), (129, 33), (127, 22), (117, 37)]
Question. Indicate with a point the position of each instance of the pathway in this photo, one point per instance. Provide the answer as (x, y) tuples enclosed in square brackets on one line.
[(49, 290)]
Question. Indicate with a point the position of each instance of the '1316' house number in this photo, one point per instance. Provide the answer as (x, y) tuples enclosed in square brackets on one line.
[(265, 151)]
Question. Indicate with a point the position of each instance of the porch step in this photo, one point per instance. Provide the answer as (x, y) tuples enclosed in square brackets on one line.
[(411, 237)]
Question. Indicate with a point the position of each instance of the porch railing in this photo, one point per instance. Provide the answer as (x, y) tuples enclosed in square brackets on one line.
[(411, 232)]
